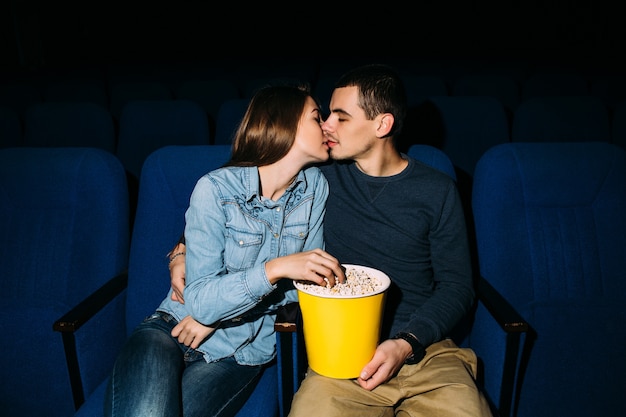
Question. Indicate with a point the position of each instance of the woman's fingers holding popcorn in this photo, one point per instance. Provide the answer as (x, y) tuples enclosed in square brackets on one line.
[(316, 265), (358, 282), (327, 267)]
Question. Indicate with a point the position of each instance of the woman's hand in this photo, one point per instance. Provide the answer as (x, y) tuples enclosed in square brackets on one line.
[(191, 333), (315, 265)]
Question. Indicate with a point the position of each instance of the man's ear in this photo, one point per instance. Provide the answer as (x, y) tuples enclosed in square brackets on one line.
[(385, 123)]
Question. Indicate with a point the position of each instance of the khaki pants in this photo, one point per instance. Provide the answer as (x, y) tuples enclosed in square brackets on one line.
[(441, 385)]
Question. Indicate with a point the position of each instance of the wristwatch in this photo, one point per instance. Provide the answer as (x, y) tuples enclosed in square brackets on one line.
[(419, 351)]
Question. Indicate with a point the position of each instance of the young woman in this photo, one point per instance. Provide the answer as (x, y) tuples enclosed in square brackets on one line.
[(249, 224)]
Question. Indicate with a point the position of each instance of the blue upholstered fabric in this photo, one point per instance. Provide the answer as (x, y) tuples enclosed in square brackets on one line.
[(550, 83), (421, 87), (10, 128), (503, 87), (91, 90), (229, 116), (64, 232), (550, 223), (124, 91), (167, 179), (19, 96), (255, 83), (147, 125), (69, 124), (209, 94), (611, 88), (470, 126), (618, 125), (561, 118), (464, 127), (433, 157)]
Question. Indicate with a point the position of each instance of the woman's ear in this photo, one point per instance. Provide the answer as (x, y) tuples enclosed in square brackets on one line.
[(385, 124)]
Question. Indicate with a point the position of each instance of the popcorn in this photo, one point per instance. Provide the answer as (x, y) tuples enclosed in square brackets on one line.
[(358, 282)]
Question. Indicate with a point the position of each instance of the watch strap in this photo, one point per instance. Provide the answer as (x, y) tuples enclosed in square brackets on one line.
[(419, 351)]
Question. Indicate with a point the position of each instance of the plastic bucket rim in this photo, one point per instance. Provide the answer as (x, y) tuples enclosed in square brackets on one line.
[(377, 272)]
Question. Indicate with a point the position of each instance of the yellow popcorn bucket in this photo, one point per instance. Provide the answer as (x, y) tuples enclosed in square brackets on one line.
[(341, 332)]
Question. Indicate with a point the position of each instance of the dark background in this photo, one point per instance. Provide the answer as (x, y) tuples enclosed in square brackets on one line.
[(38, 35)]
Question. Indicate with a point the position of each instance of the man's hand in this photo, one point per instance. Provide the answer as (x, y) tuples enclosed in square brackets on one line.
[(177, 274), (191, 333), (387, 361)]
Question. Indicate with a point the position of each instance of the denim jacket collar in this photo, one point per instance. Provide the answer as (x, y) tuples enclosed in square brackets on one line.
[(253, 183)]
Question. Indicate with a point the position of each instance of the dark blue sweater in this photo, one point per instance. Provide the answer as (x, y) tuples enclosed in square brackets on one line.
[(412, 227)]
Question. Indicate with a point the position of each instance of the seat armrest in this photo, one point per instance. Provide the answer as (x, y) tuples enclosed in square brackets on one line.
[(500, 309), (86, 309), (514, 327), (75, 318), (291, 354), (287, 318)]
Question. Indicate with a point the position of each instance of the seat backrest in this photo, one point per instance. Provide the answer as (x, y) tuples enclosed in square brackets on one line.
[(550, 228), (551, 83), (19, 96), (323, 90), (10, 128), (253, 84), (559, 118), (611, 88), (618, 125), (63, 233), (209, 94), (251, 73), (54, 203), (420, 87), (464, 127), (167, 179), (228, 118), (123, 92), (147, 125), (500, 86), (433, 157), (69, 124), (91, 91)]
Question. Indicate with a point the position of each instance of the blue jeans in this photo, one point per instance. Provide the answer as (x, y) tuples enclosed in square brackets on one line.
[(155, 375)]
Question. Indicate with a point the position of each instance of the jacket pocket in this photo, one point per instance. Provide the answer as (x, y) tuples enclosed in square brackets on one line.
[(294, 236), (242, 249)]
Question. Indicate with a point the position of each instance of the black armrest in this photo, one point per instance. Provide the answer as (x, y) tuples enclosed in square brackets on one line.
[(80, 314), (514, 326), (499, 308), (291, 352), (86, 309), (287, 318)]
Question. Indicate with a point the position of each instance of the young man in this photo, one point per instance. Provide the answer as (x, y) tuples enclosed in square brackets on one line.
[(392, 213)]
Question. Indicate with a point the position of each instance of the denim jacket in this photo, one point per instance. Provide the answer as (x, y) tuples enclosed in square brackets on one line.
[(230, 232)]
